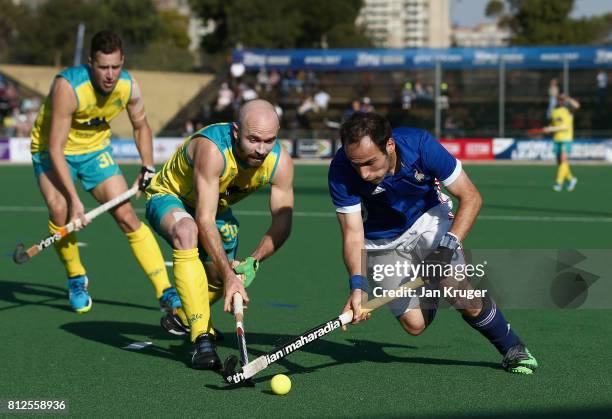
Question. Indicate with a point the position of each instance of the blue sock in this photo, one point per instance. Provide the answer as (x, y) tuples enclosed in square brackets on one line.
[(493, 326)]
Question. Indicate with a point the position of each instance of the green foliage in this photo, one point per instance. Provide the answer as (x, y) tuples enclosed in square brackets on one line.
[(280, 24), (136, 20), (48, 35), (148, 36), (12, 19), (160, 55), (494, 8), (543, 22), (174, 27)]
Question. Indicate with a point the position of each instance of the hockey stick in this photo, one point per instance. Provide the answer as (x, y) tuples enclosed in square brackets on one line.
[(261, 363), (229, 365), (535, 131), (21, 255)]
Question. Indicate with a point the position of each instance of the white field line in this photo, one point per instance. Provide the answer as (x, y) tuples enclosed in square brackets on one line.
[(331, 214)]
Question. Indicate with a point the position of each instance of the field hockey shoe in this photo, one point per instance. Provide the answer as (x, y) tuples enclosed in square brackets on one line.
[(518, 360), (173, 324), (169, 301), (79, 298), (571, 185), (205, 356)]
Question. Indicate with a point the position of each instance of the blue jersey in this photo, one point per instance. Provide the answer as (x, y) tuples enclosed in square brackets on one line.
[(394, 205)]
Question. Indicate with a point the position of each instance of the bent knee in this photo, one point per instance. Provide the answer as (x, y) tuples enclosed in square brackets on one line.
[(127, 219), (415, 328), (58, 210), (185, 234)]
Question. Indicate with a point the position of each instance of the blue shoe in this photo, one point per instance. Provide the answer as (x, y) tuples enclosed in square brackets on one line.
[(170, 301), (80, 301)]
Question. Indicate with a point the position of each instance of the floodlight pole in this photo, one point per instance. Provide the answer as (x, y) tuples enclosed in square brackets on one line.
[(78, 48), (437, 110), (502, 98), (566, 76)]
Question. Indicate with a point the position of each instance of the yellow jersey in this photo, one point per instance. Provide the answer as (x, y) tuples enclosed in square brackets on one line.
[(236, 182), (562, 116), (90, 129)]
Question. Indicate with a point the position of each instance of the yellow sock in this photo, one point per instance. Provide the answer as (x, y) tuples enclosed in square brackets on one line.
[(68, 252), (192, 286), (568, 172), (149, 257), (561, 172)]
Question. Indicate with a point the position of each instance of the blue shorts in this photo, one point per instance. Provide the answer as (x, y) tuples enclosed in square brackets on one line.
[(560, 146), (160, 205), (90, 168)]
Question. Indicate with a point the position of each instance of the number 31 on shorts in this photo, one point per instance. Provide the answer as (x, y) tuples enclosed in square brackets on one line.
[(105, 160), (228, 232)]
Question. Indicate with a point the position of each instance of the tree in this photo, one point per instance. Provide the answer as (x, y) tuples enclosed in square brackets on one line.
[(543, 22), (137, 21), (12, 19), (47, 34), (280, 23), (494, 8)]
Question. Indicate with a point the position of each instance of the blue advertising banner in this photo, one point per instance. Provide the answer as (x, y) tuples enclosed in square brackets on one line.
[(397, 59), (529, 150)]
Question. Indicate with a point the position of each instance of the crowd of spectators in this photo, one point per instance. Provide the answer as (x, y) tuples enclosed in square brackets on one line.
[(468, 102), (17, 113)]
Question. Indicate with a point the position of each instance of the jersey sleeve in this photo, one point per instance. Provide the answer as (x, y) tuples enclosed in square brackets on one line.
[(339, 181), (438, 161)]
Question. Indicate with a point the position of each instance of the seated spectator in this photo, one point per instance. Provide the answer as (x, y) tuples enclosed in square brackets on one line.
[(247, 93), (355, 107), (273, 81), (407, 96), (366, 105), (322, 99), (262, 79), (225, 97), (307, 106)]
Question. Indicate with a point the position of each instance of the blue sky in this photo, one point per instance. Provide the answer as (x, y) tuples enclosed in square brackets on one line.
[(471, 12)]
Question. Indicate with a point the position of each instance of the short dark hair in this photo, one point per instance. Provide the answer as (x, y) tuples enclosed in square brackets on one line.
[(366, 124), (105, 42)]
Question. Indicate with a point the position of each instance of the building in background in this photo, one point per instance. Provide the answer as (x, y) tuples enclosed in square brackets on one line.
[(483, 35), (407, 23)]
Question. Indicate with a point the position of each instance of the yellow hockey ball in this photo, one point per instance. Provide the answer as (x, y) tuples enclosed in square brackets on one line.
[(280, 384)]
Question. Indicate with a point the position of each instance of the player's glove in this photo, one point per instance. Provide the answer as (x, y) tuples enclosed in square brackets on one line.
[(146, 174), (435, 263), (247, 268)]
